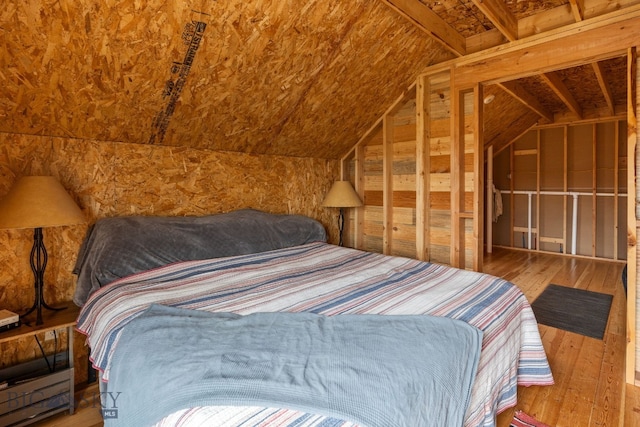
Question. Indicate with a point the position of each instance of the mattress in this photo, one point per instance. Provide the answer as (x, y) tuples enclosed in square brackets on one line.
[(331, 280)]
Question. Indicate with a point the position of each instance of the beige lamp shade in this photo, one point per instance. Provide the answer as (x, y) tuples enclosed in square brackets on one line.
[(37, 202), (342, 195)]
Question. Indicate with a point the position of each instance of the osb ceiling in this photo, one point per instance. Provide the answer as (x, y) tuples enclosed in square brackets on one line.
[(283, 77)]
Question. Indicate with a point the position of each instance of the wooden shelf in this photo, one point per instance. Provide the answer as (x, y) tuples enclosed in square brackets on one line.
[(52, 320), (28, 401)]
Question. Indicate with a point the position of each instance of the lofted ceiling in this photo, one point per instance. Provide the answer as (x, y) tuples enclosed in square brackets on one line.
[(279, 77), (590, 91)]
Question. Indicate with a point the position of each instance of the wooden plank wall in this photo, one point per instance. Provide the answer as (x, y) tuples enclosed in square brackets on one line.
[(439, 151), (398, 149), (396, 196), (542, 54), (399, 152), (557, 51), (111, 179), (404, 181)]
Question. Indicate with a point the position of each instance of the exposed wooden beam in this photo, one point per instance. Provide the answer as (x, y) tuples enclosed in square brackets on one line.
[(594, 188), (530, 101), (616, 191), (500, 15), (423, 168), (429, 22), (633, 103), (485, 40), (557, 85), (387, 183), (358, 229), (604, 86), (565, 186), (577, 9), (596, 39), (457, 231), (546, 20), (478, 181), (589, 115)]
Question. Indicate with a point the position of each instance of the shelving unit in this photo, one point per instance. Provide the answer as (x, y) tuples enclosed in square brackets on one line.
[(42, 396)]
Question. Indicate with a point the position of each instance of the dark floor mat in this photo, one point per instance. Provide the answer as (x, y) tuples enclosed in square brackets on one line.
[(574, 310)]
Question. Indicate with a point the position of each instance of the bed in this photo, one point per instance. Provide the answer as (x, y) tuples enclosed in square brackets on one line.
[(471, 337)]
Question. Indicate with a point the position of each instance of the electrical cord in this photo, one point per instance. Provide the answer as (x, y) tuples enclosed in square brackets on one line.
[(51, 368), (55, 348), (44, 355)]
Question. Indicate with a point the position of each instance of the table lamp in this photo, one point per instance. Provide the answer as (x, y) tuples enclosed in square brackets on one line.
[(342, 195), (37, 202)]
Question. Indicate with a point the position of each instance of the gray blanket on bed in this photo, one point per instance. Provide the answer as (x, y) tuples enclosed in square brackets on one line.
[(375, 370), (119, 247)]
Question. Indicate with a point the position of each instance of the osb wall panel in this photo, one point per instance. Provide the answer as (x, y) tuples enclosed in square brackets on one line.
[(194, 182), (111, 179), (98, 61), (262, 76), (378, 72)]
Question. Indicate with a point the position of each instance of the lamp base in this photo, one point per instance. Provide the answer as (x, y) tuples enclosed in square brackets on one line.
[(38, 307), (341, 225), (38, 264)]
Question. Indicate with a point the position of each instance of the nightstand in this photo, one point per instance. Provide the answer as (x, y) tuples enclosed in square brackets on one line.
[(34, 398)]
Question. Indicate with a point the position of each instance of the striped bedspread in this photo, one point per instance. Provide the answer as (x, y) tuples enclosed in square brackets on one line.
[(332, 280)]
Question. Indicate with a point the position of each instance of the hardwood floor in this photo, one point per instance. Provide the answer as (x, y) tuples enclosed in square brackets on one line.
[(589, 373), (87, 413)]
